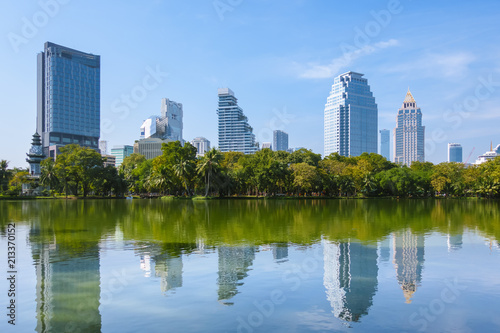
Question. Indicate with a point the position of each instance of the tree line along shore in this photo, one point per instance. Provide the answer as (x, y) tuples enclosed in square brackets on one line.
[(80, 171)]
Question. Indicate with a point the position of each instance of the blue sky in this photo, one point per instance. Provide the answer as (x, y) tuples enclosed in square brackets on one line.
[(279, 57)]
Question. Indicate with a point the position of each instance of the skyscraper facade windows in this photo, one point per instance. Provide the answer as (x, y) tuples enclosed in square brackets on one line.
[(455, 152), (68, 97), (351, 117), (385, 142), (409, 141), (235, 134), (280, 140)]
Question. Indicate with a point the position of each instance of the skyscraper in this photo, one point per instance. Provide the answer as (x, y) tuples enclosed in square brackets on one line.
[(168, 126), (455, 152), (235, 134), (201, 144), (409, 133), (385, 142), (68, 97), (280, 140), (351, 117)]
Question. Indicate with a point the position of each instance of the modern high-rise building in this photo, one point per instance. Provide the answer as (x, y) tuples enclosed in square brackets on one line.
[(201, 144), (455, 152), (120, 152), (351, 117), (235, 134), (172, 112), (68, 97), (409, 141), (385, 143), (280, 140), (168, 126)]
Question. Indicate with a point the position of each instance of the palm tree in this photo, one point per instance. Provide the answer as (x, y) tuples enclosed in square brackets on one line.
[(208, 165), (48, 175), (183, 169)]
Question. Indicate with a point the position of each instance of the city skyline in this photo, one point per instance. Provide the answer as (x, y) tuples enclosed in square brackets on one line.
[(453, 66)]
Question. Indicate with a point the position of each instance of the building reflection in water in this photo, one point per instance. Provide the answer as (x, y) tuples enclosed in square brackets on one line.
[(68, 285), (280, 252), (408, 261), (164, 261), (234, 263), (454, 242), (169, 270), (350, 278)]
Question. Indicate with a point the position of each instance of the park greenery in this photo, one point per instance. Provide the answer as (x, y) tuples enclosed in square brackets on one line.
[(80, 171)]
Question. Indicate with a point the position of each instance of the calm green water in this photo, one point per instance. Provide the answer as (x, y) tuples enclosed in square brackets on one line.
[(252, 266)]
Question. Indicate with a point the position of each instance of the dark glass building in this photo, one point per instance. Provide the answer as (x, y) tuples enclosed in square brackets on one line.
[(280, 140), (68, 97)]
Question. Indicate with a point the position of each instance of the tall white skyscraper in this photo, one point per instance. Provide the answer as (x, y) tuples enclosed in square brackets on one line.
[(235, 134), (351, 117), (409, 141)]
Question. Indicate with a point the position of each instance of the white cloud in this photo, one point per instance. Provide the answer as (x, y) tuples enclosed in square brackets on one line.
[(317, 71), (449, 65)]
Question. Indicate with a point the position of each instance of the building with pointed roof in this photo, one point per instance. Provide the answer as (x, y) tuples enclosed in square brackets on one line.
[(409, 140)]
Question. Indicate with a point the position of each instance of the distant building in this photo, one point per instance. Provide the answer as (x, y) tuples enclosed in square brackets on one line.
[(267, 145), (385, 143), (168, 126), (280, 140), (235, 134), (110, 160), (409, 134), (35, 157), (489, 155), (201, 144), (68, 100), (351, 117), (121, 152), (103, 147), (151, 147), (455, 152)]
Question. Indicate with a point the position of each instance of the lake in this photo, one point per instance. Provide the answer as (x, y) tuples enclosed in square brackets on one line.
[(251, 265)]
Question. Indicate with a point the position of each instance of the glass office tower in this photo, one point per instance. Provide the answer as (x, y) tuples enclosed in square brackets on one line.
[(385, 142), (280, 140), (235, 134), (68, 97), (455, 152), (351, 117)]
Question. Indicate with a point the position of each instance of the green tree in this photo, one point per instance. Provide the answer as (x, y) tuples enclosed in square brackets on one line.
[(5, 175), (305, 177), (48, 176), (208, 165)]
